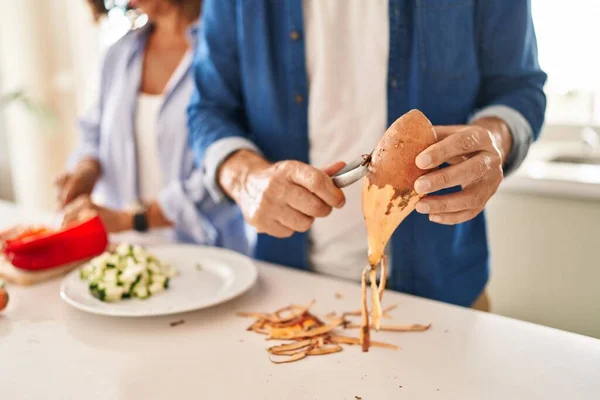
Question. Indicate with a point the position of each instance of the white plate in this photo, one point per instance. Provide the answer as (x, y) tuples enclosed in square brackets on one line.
[(224, 275)]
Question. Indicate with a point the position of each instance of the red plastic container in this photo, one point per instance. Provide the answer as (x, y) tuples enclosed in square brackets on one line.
[(53, 249)]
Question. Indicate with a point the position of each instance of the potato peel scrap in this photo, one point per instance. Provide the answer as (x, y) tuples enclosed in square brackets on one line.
[(395, 328), (292, 358), (323, 350), (365, 335), (310, 336), (290, 346), (375, 299), (352, 340), (383, 279), (310, 333)]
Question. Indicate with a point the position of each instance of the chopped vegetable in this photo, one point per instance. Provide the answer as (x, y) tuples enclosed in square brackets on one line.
[(128, 272)]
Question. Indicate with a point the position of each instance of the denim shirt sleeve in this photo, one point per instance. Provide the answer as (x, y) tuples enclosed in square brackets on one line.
[(512, 80), (216, 115)]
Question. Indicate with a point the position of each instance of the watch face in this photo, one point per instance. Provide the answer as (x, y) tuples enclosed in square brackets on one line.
[(140, 222)]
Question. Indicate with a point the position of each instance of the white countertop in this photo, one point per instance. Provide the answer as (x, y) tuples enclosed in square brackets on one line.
[(538, 176), (50, 351)]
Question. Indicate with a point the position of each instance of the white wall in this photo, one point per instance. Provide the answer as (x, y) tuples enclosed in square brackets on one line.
[(46, 48)]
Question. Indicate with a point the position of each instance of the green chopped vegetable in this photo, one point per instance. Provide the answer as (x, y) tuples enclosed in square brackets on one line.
[(128, 272)]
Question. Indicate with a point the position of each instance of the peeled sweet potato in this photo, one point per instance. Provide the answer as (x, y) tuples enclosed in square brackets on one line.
[(388, 195)]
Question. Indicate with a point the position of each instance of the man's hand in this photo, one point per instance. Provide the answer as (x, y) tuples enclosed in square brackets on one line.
[(79, 182), (475, 155), (82, 208), (282, 198)]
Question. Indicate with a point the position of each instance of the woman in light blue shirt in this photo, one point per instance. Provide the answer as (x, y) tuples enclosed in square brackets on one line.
[(134, 154)]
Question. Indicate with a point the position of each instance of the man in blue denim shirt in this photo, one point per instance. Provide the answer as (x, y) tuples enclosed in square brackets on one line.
[(285, 85)]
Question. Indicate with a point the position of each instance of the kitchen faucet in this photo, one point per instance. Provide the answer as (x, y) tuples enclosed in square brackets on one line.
[(591, 138)]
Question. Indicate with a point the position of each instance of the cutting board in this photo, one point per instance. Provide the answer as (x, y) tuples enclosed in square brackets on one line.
[(23, 277)]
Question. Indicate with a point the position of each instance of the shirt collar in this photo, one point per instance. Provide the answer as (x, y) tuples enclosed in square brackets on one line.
[(141, 35)]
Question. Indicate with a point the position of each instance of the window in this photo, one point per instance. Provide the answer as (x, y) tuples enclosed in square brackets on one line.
[(120, 20), (568, 34)]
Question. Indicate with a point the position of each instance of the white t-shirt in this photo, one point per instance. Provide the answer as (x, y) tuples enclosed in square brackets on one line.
[(347, 46), (148, 164), (149, 172)]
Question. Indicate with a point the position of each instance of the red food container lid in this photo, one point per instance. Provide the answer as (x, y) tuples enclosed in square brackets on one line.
[(53, 249)]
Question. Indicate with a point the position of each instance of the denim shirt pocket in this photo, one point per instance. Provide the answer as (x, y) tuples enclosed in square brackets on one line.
[(446, 38)]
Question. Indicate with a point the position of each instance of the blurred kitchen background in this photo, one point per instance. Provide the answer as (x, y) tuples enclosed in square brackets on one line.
[(544, 224)]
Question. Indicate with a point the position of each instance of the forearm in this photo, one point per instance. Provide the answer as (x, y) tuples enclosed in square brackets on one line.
[(154, 215), (89, 166), (501, 133), (234, 171)]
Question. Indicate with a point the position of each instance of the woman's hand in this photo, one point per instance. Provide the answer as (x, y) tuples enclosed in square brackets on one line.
[(282, 198), (475, 156), (82, 208), (80, 182)]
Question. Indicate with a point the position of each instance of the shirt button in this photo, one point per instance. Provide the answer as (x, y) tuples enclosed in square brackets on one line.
[(394, 83), (294, 35), (299, 99)]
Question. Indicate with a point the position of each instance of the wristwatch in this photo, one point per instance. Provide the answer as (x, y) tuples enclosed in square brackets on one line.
[(140, 221)]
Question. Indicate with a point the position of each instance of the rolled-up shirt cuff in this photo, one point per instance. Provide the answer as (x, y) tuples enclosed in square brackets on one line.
[(178, 208), (520, 129), (214, 157)]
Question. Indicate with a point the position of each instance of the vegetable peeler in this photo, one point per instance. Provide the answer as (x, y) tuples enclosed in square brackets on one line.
[(352, 172)]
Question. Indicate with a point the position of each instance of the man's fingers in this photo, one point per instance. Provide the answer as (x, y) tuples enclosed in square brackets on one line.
[(463, 173), (464, 142), (295, 220), (454, 218), (334, 168), (277, 230), (471, 198), (306, 202), (443, 131), (317, 182)]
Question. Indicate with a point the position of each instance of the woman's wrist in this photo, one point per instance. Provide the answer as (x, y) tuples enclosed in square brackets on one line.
[(156, 218)]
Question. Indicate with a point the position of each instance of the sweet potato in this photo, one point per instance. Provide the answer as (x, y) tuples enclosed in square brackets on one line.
[(388, 195)]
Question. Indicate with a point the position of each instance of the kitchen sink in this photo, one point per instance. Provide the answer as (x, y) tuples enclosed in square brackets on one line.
[(591, 159)]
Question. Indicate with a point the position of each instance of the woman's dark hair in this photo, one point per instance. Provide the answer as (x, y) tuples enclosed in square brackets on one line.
[(98, 8), (191, 8)]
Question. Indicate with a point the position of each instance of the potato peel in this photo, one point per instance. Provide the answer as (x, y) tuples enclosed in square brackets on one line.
[(382, 278), (290, 346), (289, 359), (395, 328), (325, 349), (352, 341), (375, 299), (310, 336), (364, 331), (311, 333)]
